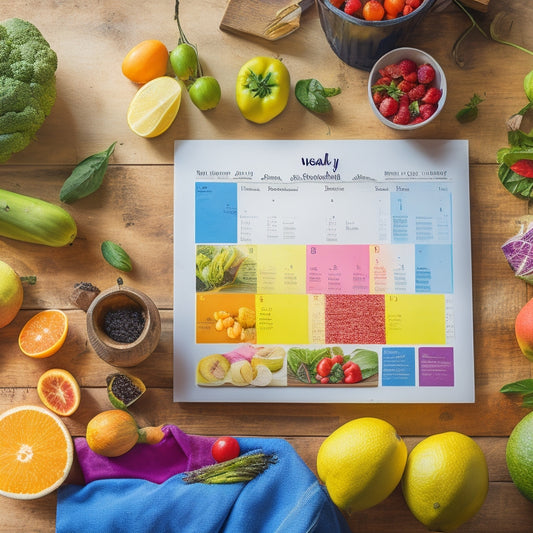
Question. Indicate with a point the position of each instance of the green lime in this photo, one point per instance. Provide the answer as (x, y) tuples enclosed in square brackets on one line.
[(519, 455), (528, 86)]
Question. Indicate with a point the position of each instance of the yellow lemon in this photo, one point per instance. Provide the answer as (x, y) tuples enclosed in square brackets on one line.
[(519, 456), (154, 106), (445, 480), (361, 463)]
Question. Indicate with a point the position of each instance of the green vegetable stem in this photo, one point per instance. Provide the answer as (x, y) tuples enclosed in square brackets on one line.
[(87, 176), (312, 95), (241, 469)]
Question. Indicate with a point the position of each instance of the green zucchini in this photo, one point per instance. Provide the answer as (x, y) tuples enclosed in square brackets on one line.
[(28, 219)]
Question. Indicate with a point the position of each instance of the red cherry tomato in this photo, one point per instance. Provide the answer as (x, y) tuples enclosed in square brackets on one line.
[(324, 367), (225, 448)]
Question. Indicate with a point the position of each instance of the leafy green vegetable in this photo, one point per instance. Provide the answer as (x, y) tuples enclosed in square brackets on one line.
[(116, 256), (523, 387), (27, 84), (521, 147), (309, 358), (216, 267), (367, 361), (311, 94), (87, 177)]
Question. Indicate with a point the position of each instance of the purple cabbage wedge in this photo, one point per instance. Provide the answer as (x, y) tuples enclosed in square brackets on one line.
[(518, 251)]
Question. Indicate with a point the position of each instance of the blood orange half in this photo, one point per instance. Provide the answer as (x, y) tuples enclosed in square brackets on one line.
[(59, 391)]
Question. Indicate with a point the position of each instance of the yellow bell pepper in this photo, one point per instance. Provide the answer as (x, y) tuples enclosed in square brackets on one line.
[(262, 89)]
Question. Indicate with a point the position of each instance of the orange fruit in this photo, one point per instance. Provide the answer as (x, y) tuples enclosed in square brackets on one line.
[(36, 453), (44, 333), (146, 61), (373, 10), (59, 391)]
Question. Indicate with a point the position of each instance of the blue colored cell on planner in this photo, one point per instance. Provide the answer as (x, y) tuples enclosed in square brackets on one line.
[(398, 366), (215, 219), (433, 268)]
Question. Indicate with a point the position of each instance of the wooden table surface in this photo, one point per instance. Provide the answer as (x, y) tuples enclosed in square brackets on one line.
[(134, 207)]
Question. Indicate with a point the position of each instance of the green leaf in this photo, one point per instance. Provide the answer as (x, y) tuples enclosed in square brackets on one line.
[(87, 176), (367, 360), (311, 94), (518, 185), (524, 386), (116, 256)]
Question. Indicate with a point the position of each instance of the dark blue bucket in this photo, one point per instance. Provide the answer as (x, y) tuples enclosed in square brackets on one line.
[(360, 43)]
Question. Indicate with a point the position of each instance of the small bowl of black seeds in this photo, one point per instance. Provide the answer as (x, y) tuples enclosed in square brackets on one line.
[(123, 326)]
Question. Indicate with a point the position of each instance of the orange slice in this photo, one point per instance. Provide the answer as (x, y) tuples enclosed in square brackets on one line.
[(36, 453), (44, 334), (59, 391)]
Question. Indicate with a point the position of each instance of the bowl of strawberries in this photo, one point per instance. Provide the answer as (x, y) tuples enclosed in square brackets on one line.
[(406, 89)]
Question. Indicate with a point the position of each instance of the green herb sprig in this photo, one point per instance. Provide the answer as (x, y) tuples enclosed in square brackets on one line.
[(239, 470), (312, 95)]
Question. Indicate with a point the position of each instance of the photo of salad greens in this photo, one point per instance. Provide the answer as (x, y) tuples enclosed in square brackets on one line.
[(329, 365), (224, 267)]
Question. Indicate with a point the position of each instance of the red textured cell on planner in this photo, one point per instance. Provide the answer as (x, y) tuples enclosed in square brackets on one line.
[(355, 319)]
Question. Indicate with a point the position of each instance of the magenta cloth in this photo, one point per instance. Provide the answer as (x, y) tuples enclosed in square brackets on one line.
[(178, 452)]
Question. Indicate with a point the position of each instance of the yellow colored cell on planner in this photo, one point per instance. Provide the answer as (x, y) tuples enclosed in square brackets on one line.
[(281, 269), (415, 319), (282, 319)]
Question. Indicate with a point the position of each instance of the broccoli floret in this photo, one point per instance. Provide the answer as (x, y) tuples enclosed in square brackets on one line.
[(27, 84)]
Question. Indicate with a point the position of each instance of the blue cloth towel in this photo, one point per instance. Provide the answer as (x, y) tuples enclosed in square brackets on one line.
[(286, 498)]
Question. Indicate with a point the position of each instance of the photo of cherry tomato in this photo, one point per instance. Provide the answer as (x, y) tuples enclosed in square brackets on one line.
[(225, 448), (324, 367), (146, 61), (205, 93), (184, 61)]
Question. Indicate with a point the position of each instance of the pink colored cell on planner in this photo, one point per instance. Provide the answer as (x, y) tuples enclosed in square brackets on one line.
[(337, 269)]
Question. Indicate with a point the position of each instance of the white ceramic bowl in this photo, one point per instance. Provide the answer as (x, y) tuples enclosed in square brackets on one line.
[(419, 57)]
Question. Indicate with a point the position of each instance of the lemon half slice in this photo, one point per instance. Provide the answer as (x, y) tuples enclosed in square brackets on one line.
[(154, 106)]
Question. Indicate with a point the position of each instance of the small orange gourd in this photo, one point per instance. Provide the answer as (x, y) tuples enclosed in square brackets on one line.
[(115, 432)]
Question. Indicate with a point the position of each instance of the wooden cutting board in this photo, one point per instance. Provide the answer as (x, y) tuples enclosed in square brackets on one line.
[(479, 5), (269, 19)]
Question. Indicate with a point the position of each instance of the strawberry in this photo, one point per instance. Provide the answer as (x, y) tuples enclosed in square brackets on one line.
[(432, 96), (412, 77), (417, 92), (426, 73), (407, 10), (352, 6), (406, 66), (384, 80), (523, 167), (413, 3), (389, 106), (416, 120), (403, 116), (393, 71), (405, 86), (378, 97), (426, 110)]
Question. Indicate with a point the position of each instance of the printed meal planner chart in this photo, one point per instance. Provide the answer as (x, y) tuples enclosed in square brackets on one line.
[(322, 271)]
